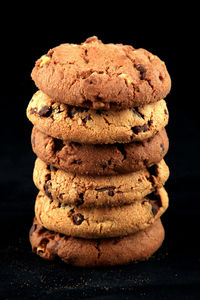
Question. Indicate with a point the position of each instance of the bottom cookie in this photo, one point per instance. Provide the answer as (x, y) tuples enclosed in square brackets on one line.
[(100, 252)]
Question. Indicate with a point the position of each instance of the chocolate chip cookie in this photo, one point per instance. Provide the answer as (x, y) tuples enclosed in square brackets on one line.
[(99, 159), (101, 76), (88, 191), (99, 119), (92, 253), (100, 222), (89, 126)]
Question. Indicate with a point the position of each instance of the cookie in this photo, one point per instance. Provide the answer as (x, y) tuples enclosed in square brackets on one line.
[(101, 76), (95, 253), (99, 159), (101, 222), (88, 126), (88, 191)]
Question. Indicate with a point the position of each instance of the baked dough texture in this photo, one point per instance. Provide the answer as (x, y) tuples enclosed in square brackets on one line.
[(89, 126), (101, 76), (96, 253), (89, 159), (96, 191), (100, 222)]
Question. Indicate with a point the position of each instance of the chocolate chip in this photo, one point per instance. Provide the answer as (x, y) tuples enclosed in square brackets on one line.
[(48, 176), (138, 113), (107, 122), (45, 111), (58, 145), (142, 71), (78, 201), (111, 193), (47, 185), (102, 189), (162, 148), (77, 219), (138, 129), (61, 196), (71, 211), (86, 56), (155, 207), (150, 122), (110, 190), (70, 111), (121, 148), (33, 111), (109, 162)]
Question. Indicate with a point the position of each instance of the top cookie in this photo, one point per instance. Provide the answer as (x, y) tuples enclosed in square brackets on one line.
[(101, 76)]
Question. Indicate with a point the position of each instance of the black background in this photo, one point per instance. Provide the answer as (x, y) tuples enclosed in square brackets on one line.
[(171, 33)]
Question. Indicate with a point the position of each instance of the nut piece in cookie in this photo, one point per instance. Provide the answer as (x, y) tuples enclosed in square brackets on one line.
[(44, 59)]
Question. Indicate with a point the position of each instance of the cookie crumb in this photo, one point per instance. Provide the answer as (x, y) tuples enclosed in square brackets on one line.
[(126, 77)]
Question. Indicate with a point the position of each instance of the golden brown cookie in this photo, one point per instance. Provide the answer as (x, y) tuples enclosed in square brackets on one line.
[(89, 191), (92, 253), (100, 222), (101, 76), (99, 159), (88, 126)]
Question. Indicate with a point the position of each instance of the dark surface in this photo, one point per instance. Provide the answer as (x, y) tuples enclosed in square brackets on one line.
[(174, 271)]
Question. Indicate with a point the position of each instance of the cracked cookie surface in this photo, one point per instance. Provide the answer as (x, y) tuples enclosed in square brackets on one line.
[(101, 252), (89, 126), (100, 222), (96, 191), (99, 159), (101, 76)]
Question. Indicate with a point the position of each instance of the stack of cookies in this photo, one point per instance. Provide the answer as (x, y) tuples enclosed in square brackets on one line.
[(99, 135)]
